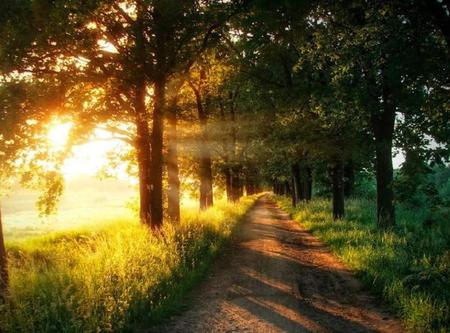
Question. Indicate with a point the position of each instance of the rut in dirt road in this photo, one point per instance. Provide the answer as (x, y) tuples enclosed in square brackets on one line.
[(279, 278)]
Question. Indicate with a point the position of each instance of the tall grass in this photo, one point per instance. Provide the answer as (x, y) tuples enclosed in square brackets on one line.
[(113, 278), (409, 265)]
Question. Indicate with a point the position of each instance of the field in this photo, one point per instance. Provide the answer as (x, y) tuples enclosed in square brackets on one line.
[(408, 266), (105, 272), (85, 199)]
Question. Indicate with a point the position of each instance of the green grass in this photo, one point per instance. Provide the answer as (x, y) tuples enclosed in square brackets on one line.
[(408, 266), (113, 278)]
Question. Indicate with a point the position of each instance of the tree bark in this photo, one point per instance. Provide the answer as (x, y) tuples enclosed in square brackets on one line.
[(349, 179), (173, 179), (4, 277), (206, 184), (277, 187), (229, 190), (158, 72), (250, 184), (287, 187), (303, 181), (157, 153), (383, 128), (205, 163), (235, 183), (297, 183), (295, 175), (337, 174), (142, 145), (308, 184)]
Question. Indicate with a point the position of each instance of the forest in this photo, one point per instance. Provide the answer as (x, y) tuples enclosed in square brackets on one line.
[(310, 138)]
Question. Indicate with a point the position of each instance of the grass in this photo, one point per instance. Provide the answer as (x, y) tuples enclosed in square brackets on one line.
[(114, 278), (408, 266), (86, 199)]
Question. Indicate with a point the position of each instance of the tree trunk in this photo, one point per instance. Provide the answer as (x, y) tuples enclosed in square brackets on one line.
[(4, 278), (295, 175), (287, 187), (235, 183), (142, 145), (337, 174), (280, 188), (173, 179), (206, 184), (293, 193), (157, 153), (276, 187), (349, 179), (303, 181), (205, 163), (229, 190), (308, 184), (241, 186), (383, 127), (296, 181), (250, 186)]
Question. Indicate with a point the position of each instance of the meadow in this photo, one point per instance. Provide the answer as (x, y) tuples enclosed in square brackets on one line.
[(409, 265), (113, 277), (87, 201)]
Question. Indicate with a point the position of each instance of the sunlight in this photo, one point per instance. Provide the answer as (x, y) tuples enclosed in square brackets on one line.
[(92, 158), (89, 158), (107, 46), (58, 134)]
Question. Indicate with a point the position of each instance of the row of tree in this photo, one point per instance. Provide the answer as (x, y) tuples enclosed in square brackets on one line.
[(238, 94)]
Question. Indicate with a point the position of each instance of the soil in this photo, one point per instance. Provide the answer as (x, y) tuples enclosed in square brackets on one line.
[(277, 277)]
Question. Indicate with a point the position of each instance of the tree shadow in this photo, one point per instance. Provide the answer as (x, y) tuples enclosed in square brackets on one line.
[(295, 294), (272, 297)]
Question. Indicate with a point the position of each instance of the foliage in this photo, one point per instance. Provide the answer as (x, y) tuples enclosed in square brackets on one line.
[(408, 265), (114, 278)]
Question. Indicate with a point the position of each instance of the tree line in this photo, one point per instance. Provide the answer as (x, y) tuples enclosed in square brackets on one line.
[(238, 95)]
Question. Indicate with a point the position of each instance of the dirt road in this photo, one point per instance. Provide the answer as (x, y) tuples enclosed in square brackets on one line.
[(279, 278)]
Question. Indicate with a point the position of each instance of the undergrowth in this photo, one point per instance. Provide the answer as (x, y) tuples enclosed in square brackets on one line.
[(409, 266), (114, 278)]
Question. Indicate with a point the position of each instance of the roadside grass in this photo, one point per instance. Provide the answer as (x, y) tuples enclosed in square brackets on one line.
[(114, 278), (409, 266)]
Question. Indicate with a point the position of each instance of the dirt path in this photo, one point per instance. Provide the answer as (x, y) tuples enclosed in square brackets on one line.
[(279, 278)]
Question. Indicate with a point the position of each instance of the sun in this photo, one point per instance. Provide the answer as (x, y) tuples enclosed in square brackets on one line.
[(58, 134)]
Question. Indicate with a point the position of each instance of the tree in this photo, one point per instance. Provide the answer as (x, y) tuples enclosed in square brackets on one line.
[(381, 60), (203, 103), (123, 47), (24, 153)]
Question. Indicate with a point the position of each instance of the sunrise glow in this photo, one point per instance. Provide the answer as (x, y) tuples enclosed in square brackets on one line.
[(58, 134), (91, 157)]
